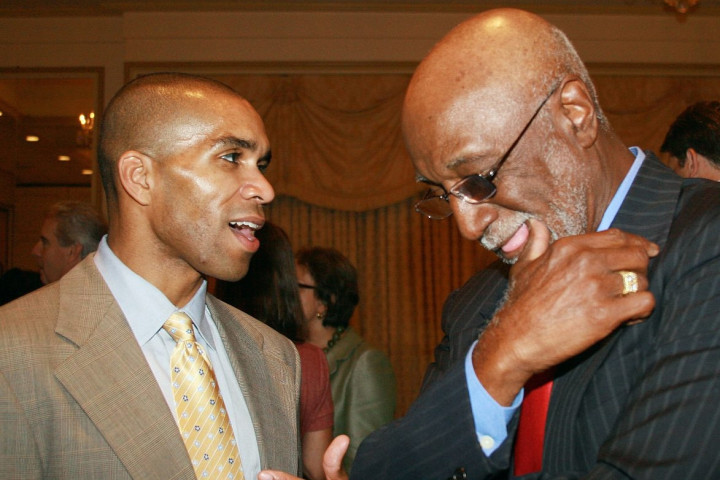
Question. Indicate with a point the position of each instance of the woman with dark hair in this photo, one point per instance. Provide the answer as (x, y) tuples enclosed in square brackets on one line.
[(361, 377), (269, 292)]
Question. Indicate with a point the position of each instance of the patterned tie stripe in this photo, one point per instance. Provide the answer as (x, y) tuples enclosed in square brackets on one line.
[(202, 418)]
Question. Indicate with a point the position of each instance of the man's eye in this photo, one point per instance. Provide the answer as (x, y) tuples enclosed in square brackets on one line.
[(263, 165), (231, 157)]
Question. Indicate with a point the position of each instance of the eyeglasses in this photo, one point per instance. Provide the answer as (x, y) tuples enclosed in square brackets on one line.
[(305, 285), (474, 188)]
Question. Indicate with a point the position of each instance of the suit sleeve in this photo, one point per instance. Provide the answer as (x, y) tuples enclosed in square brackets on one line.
[(434, 440)]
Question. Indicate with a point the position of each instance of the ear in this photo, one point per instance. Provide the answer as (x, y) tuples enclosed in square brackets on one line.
[(75, 253), (134, 172), (321, 307), (579, 110), (692, 163)]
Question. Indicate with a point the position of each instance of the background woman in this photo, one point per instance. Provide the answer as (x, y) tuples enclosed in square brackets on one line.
[(361, 377)]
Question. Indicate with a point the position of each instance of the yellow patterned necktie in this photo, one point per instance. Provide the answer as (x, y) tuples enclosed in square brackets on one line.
[(203, 421)]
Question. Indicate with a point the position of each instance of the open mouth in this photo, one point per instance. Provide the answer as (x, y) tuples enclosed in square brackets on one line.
[(246, 229)]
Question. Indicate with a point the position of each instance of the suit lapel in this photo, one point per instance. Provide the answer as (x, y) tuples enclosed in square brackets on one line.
[(647, 211), (111, 381), (244, 345)]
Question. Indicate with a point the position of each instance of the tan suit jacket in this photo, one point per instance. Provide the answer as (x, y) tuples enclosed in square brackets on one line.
[(78, 400)]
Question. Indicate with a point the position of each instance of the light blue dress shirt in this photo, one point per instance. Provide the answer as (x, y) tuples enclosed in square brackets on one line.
[(491, 418), (146, 309)]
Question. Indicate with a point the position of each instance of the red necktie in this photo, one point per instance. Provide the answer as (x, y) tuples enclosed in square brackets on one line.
[(531, 430)]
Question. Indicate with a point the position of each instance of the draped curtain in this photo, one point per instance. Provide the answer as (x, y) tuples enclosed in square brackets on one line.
[(343, 179)]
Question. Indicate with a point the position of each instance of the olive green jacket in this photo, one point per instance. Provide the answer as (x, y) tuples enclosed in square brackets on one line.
[(363, 390)]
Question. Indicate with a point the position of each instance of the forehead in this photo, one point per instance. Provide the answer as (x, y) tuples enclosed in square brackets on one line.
[(452, 134), (48, 227), (209, 115)]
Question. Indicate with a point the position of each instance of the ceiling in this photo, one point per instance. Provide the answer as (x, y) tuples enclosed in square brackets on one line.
[(117, 7)]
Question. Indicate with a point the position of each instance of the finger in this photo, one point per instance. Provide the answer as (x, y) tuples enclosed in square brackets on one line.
[(332, 460), (615, 238), (275, 475), (538, 242), (634, 307)]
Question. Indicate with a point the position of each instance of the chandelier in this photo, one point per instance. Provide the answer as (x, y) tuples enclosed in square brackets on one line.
[(85, 132), (682, 6)]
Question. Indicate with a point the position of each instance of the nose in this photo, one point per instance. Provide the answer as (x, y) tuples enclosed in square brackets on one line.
[(472, 219), (37, 250), (258, 187)]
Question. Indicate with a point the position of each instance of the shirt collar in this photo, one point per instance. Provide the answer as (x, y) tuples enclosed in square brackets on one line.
[(622, 190), (145, 307)]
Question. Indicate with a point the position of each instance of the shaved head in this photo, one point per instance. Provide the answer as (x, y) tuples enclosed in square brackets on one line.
[(502, 60), (149, 115)]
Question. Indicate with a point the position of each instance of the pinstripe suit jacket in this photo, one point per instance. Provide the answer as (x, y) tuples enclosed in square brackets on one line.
[(642, 403), (79, 401)]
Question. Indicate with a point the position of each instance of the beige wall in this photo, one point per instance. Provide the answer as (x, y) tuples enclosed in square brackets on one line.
[(110, 42)]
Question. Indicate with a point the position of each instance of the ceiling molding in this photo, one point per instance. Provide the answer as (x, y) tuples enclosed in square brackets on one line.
[(44, 8)]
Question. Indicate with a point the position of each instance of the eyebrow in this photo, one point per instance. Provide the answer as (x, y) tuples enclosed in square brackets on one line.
[(235, 142), (451, 165)]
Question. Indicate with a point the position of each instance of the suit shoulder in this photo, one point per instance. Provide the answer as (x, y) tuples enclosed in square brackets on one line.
[(31, 312), (259, 331)]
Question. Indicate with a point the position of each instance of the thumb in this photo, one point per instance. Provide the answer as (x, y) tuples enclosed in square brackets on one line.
[(332, 460), (537, 243)]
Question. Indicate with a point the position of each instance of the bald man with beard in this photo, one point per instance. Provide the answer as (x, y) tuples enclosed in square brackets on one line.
[(608, 313), (85, 364)]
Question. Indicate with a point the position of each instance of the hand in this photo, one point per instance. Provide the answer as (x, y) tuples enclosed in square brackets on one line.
[(332, 463), (562, 298)]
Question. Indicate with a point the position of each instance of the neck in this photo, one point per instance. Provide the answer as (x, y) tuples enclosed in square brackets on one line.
[(175, 279), (320, 335)]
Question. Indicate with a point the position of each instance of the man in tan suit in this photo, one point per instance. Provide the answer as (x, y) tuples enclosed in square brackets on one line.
[(85, 382)]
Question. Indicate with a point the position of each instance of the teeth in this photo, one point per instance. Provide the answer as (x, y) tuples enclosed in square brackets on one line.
[(250, 225)]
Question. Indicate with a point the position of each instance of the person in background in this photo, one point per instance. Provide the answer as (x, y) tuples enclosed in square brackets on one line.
[(692, 143), (269, 292), (361, 377), (70, 231)]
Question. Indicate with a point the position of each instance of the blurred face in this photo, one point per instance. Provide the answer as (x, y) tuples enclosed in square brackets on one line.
[(207, 195), (541, 178), (53, 259), (311, 305)]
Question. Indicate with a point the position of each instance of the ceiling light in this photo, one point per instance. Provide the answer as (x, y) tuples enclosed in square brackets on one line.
[(32, 138), (682, 6), (85, 133), (87, 171), (64, 158)]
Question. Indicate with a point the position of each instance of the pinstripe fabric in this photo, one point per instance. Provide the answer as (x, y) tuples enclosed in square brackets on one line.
[(640, 404), (78, 400)]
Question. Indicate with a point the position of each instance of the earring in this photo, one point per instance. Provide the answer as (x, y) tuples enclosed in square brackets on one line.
[(320, 316)]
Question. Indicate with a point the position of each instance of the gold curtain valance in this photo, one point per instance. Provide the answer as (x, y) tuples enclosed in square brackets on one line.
[(335, 139)]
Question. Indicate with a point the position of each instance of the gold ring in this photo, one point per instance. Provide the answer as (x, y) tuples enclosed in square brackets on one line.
[(630, 281)]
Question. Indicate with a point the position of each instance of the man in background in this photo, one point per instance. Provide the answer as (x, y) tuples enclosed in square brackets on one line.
[(70, 231), (692, 143)]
